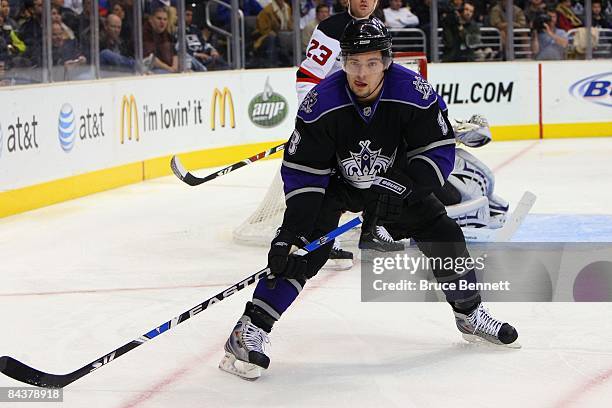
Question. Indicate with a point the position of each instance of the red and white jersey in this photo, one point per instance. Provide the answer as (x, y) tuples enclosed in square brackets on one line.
[(322, 54)]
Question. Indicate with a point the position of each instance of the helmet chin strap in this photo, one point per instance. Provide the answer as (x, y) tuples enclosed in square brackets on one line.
[(374, 90), (361, 18)]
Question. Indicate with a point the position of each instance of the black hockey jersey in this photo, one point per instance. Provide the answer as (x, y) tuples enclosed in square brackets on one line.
[(406, 127)]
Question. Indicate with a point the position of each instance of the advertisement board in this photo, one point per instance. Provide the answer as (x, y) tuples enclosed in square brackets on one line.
[(82, 137), (577, 98), (506, 94)]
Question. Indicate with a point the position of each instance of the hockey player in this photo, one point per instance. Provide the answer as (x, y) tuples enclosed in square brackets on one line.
[(462, 191), (381, 128)]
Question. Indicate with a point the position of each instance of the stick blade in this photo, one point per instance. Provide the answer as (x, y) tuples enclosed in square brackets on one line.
[(177, 168), (518, 216), (179, 171), (26, 374)]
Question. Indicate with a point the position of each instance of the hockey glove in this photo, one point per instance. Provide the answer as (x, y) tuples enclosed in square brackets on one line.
[(282, 264), (390, 189), (473, 133)]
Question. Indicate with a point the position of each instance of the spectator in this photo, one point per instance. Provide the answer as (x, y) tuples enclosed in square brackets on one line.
[(121, 10), (113, 51), (83, 29), (461, 35), (308, 11), (5, 12), (497, 18), (548, 41), (322, 12), (397, 15), (64, 52), (10, 43), (172, 25), (599, 19), (249, 8), (534, 8), (31, 31), (68, 16), (4, 81), (56, 17), (273, 19), (25, 12), (74, 5), (204, 56), (566, 18), (158, 42), (209, 36)]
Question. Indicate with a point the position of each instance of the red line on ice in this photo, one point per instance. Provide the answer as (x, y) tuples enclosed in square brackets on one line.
[(572, 397), (515, 156), (179, 373)]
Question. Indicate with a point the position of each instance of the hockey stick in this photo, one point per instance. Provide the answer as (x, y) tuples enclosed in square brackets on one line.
[(509, 228), (24, 373), (188, 178)]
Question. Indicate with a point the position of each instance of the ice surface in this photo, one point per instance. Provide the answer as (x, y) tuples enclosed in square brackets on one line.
[(81, 278)]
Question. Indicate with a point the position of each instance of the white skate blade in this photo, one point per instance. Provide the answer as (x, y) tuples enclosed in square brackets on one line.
[(338, 264), (242, 369), (472, 338)]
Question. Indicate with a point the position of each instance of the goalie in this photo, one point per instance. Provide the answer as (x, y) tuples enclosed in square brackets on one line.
[(471, 179)]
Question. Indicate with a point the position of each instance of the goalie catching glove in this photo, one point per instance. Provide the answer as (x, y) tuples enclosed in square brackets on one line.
[(390, 189), (281, 262)]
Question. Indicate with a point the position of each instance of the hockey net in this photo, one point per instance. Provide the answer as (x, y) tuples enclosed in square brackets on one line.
[(259, 228)]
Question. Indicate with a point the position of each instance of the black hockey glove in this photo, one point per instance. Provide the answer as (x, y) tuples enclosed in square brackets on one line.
[(281, 263), (390, 189)]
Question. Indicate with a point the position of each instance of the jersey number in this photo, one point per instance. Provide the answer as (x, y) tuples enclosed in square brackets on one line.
[(323, 56)]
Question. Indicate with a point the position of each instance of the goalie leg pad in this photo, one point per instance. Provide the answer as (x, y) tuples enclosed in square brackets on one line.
[(471, 213)]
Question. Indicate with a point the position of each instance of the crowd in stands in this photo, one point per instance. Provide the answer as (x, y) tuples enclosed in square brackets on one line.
[(21, 37), (269, 30)]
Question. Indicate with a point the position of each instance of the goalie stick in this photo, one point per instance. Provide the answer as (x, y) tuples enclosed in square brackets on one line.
[(185, 176), (505, 233), (24, 373)]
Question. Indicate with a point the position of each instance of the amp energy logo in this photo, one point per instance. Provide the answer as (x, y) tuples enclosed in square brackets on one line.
[(596, 89), (66, 127), (268, 108)]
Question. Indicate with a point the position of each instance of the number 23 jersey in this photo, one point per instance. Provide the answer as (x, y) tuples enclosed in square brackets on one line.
[(322, 53)]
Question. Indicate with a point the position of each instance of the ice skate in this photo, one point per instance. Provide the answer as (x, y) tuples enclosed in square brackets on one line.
[(379, 239), (245, 350), (339, 259), (479, 325)]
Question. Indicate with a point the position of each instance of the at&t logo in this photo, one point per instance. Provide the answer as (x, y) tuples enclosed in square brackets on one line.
[(66, 127), (87, 125)]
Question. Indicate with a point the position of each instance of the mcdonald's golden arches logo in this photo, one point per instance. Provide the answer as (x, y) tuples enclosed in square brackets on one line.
[(222, 97), (129, 107)]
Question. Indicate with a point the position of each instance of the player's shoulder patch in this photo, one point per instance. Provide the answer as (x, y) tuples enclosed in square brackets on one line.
[(334, 25), (408, 87), (327, 96)]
